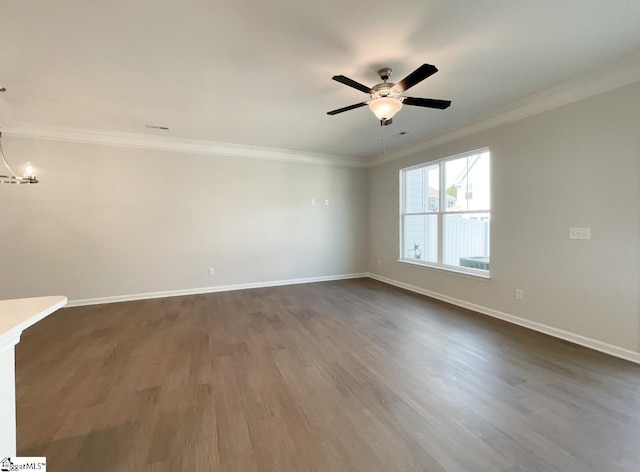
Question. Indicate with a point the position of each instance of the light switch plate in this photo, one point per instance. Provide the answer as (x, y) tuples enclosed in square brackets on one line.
[(579, 233)]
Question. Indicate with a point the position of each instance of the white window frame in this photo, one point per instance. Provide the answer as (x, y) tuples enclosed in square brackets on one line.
[(440, 213)]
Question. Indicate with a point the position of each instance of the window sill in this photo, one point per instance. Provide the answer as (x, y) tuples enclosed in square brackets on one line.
[(450, 270)]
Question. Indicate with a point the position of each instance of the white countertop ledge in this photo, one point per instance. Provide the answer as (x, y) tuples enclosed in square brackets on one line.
[(18, 314)]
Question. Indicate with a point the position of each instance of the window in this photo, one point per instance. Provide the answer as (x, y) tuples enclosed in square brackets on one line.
[(446, 211)]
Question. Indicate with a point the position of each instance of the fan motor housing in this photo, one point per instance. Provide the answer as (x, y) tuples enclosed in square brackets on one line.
[(385, 89)]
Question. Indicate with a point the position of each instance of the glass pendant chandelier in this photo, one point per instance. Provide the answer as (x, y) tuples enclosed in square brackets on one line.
[(28, 177)]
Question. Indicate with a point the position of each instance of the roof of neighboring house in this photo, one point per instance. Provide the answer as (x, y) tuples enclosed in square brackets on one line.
[(435, 193)]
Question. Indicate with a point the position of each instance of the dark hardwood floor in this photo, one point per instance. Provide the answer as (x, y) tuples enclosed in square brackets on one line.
[(338, 376)]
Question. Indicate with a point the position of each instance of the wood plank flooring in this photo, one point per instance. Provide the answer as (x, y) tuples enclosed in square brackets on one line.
[(341, 376)]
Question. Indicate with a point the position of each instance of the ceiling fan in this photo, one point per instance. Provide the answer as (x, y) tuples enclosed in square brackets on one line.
[(386, 97)]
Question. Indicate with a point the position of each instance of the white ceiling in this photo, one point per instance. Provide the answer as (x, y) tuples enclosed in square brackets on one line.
[(258, 72)]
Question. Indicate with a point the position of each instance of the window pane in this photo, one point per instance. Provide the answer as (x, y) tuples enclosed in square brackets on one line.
[(468, 183), (478, 182), (421, 237), (466, 240), (422, 189)]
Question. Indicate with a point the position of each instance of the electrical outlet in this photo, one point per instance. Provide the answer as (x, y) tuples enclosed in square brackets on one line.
[(212, 271), (313, 201), (326, 202), (519, 294)]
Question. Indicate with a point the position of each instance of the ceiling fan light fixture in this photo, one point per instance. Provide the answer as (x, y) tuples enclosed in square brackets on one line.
[(385, 107), (386, 98)]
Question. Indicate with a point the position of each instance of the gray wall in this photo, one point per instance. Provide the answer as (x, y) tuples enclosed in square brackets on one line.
[(108, 221), (576, 165)]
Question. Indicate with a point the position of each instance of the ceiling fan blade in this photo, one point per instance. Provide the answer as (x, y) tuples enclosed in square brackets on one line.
[(417, 76), (350, 107), (426, 102), (351, 83)]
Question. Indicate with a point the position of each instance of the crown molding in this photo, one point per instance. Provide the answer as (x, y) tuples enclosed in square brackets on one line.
[(597, 82), (165, 143), (594, 83)]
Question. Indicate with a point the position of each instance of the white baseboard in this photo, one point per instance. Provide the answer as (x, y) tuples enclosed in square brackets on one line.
[(555, 332), (201, 290)]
